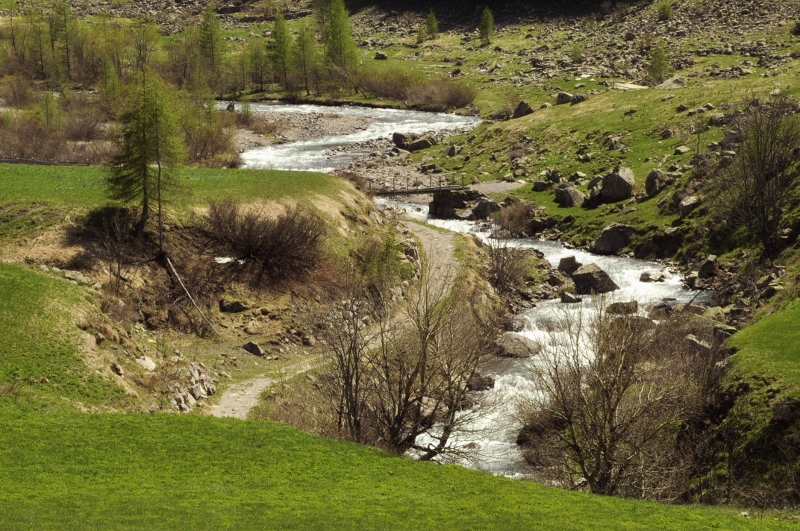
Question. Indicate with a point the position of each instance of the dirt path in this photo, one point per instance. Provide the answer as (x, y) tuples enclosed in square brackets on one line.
[(496, 186), (240, 398), (438, 248)]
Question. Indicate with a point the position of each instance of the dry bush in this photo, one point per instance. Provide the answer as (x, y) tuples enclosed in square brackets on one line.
[(508, 265), (26, 137), (516, 217), (443, 94), (411, 87), (85, 124), (17, 91), (268, 248), (616, 391), (210, 136)]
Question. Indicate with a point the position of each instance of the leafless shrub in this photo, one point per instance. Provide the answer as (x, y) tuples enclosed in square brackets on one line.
[(516, 217), (411, 87), (755, 190), (614, 392), (27, 137), (395, 380), (17, 91), (269, 248), (85, 124)]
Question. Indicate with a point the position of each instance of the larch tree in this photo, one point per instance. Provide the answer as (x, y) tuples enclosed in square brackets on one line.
[(210, 37), (280, 50), (341, 53), (149, 150), (486, 27), (306, 55)]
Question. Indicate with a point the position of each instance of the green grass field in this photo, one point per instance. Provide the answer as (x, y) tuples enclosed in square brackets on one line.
[(771, 347), (190, 472), (83, 186), (39, 340)]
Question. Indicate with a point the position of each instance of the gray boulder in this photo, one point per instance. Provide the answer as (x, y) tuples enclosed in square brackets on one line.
[(254, 349), (578, 98), (227, 306), (708, 268), (511, 345), (623, 308), (380, 56), (421, 143), (689, 204), (523, 109), (590, 279), (569, 298), (569, 196), (446, 202), (652, 276), (569, 264), (563, 98), (617, 185), (484, 208), (613, 238), (655, 183)]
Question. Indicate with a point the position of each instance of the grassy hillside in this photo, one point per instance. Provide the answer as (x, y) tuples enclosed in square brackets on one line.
[(43, 355), (168, 472), (770, 349)]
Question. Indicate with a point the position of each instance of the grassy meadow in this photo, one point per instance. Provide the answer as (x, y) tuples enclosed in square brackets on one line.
[(167, 471)]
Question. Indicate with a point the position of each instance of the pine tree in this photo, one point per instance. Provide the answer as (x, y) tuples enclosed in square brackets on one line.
[(210, 35), (486, 28), (341, 53), (432, 25), (258, 59), (150, 150), (280, 50), (306, 55)]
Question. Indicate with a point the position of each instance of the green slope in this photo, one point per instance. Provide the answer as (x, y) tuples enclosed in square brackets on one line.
[(190, 472), (39, 345)]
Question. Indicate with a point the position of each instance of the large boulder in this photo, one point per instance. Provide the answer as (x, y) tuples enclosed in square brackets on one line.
[(655, 183), (227, 306), (613, 238), (511, 345), (617, 185), (578, 98), (421, 143), (569, 264), (652, 275), (590, 279), (569, 298), (484, 208), (623, 308), (569, 196), (563, 98), (523, 109), (688, 205), (446, 202), (708, 268), (402, 140)]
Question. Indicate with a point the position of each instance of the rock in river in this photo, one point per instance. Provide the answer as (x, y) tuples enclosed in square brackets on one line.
[(590, 279)]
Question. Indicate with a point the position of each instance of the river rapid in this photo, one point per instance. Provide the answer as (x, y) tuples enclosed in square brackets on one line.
[(490, 440)]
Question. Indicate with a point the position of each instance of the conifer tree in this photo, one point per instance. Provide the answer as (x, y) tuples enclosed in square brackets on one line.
[(341, 53), (210, 36), (280, 50), (150, 150), (432, 25), (306, 55), (486, 28)]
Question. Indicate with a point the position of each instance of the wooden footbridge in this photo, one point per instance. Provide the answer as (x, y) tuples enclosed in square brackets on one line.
[(407, 187)]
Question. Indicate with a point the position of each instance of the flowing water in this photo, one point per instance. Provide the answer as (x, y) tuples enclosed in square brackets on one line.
[(326, 154), (491, 437)]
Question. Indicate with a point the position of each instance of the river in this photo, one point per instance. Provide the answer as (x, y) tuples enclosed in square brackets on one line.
[(327, 154), (492, 438)]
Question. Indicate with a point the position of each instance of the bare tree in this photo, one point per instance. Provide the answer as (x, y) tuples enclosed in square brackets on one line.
[(755, 190), (402, 381), (614, 390)]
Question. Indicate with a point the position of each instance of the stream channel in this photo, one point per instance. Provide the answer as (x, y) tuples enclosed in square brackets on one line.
[(491, 439)]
